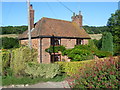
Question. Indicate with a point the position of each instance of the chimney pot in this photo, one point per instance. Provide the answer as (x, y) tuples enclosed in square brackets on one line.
[(77, 19), (31, 7)]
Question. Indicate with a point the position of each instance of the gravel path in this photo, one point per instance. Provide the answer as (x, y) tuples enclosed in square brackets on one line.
[(62, 84)]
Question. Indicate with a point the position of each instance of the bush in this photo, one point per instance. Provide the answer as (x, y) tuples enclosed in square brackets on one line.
[(79, 53), (56, 49), (20, 57), (5, 56), (42, 70), (102, 54), (98, 43), (16, 60), (102, 74), (8, 43), (71, 68), (107, 42)]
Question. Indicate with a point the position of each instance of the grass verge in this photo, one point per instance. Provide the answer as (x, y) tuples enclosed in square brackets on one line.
[(27, 80)]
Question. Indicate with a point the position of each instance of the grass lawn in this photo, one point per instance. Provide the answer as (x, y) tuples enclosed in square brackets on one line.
[(27, 80), (0, 80)]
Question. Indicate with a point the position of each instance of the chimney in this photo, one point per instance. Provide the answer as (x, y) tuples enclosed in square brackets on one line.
[(77, 19), (31, 17)]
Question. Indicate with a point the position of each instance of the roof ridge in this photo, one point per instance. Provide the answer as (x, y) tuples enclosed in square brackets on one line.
[(56, 19)]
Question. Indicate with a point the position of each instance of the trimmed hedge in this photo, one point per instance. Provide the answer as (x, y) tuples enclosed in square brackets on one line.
[(71, 68)]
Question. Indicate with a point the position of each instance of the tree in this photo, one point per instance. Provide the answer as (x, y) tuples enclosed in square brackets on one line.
[(114, 27), (107, 42), (8, 43)]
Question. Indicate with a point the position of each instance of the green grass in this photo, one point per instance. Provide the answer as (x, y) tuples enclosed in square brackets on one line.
[(0, 80), (27, 80)]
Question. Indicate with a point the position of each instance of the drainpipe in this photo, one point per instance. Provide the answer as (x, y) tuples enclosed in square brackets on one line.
[(54, 47)]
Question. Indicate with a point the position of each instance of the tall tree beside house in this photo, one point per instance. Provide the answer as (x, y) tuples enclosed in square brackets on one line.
[(114, 27), (107, 42)]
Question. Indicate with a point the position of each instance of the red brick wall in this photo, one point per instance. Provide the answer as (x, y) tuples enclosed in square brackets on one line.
[(34, 43), (45, 55), (68, 43), (85, 41), (43, 43), (40, 45)]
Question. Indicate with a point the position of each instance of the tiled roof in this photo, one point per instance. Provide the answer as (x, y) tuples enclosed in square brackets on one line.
[(59, 28)]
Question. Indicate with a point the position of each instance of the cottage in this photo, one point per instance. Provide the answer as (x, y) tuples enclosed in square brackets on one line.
[(48, 31)]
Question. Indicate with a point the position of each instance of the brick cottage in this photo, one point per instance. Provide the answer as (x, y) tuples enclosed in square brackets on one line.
[(48, 31)]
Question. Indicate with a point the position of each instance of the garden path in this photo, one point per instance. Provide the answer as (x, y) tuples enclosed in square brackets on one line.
[(62, 84)]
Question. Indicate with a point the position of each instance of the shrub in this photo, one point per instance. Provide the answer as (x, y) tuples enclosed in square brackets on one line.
[(107, 42), (5, 56), (98, 43), (71, 68), (102, 54), (79, 54), (42, 70), (56, 49), (20, 57), (102, 74), (15, 60)]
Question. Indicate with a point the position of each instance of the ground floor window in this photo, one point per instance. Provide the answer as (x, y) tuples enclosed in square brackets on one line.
[(55, 58), (55, 41), (79, 42)]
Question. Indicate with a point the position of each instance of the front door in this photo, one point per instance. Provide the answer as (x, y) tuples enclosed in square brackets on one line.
[(55, 58)]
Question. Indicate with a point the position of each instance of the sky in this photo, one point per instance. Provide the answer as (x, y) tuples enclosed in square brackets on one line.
[(94, 13)]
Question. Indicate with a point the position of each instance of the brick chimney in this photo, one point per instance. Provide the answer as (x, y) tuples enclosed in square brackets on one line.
[(31, 17), (77, 19)]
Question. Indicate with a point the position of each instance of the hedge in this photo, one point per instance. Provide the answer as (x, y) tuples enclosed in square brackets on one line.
[(103, 74), (71, 68)]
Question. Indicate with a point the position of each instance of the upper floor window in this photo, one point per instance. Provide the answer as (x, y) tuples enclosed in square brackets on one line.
[(78, 41), (55, 41)]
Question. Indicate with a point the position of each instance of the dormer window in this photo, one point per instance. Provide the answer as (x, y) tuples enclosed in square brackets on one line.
[(55, 41)]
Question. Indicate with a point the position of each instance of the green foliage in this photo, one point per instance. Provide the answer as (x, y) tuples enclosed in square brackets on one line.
[(78, 54), (42, 70), (98, 43), (8, 43), (107, 42), (15, 60), (20, 57), (56, 49), (71, 68), (103, 74), (102, 54), (95, 30), (114, 27), (13, 30), (85, 52), (5, 56)]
